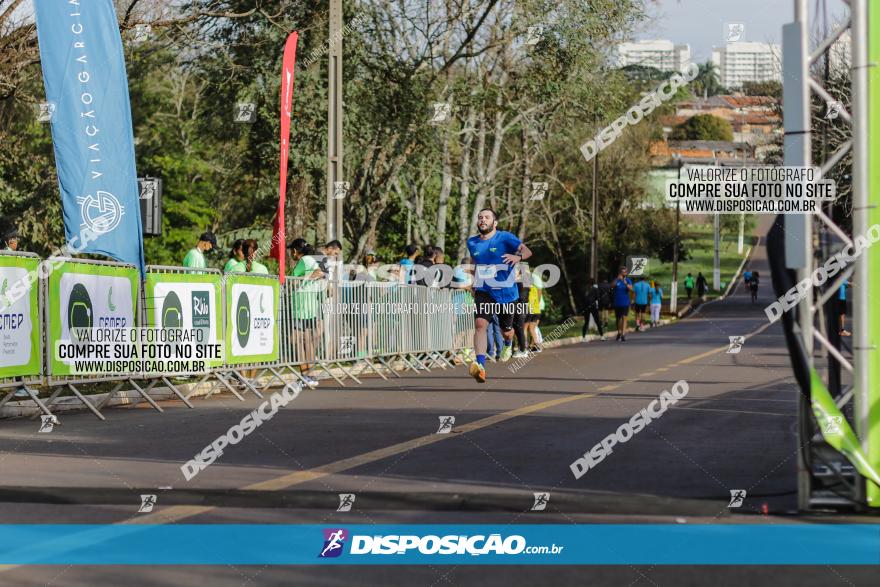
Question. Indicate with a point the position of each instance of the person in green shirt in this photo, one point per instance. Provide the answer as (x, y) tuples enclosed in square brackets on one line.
[(235, 264), (195, 258), (689, 285), (251, 265), (307, 296)]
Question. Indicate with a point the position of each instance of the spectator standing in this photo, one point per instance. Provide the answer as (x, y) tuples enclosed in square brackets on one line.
[(250, 249), (689, 285), (235, 264), (11, 239), (195, 258), (656, 303), (306, 305), (591, 309), (407, 263), (536, 304), (701, 285), (841, 298), (331, 260), (641, 289)]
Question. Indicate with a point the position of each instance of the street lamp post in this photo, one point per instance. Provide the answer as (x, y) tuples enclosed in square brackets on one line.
[(334, 124), (673, 290), (594, 242)]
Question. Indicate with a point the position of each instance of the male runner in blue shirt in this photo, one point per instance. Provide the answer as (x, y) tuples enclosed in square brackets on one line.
[(494, 254), (621, 287)]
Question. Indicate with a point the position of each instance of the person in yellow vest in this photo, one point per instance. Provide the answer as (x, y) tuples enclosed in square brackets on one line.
[(536, 304)]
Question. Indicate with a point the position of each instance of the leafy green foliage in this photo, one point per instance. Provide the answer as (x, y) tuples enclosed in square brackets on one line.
[(703, 127)]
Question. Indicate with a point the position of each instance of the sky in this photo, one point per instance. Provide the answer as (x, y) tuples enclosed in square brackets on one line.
[(703, 23)]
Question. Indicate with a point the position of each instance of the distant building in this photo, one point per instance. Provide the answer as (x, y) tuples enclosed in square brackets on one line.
[(667, 153), (747, 62), (660, 54), (755, 119)]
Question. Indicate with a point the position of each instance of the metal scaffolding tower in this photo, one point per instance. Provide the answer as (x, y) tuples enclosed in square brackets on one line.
[(839, 410)]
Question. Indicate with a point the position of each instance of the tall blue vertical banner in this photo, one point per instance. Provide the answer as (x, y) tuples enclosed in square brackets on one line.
[(87, 92)]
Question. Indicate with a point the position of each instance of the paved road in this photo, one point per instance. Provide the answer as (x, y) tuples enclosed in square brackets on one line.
[(513, 436)]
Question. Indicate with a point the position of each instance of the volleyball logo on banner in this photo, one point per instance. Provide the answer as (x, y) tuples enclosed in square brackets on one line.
[(251, 334)]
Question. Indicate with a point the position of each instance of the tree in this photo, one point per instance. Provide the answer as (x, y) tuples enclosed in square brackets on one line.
[(703, 127), (770, 88), (708, 82)]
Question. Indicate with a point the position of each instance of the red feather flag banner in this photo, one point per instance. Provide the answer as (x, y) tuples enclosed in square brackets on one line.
[(279, 239)]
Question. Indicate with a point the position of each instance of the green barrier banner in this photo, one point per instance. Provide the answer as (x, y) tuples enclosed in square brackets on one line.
[(88, 296), (188, 301), (19, 317), (836, 430), (251, 328)]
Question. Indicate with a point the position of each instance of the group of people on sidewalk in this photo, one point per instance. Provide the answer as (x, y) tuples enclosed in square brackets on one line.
[(646, 296)]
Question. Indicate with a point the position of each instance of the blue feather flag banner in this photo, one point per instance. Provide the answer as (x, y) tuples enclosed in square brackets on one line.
[(87, 98)]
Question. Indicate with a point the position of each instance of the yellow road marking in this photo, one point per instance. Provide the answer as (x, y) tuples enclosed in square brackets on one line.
[(177, 513)]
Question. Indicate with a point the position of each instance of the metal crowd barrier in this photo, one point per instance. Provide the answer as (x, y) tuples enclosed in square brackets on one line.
[(85, 276), (32, 374), (341, 328)]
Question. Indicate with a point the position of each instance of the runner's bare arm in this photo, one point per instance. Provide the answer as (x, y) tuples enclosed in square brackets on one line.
[(522, 253)]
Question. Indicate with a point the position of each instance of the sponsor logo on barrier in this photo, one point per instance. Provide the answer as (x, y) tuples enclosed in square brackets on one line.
[(201, 309), (172, 311), (243, 319), (541, 501), (346, 500), (79, 308)]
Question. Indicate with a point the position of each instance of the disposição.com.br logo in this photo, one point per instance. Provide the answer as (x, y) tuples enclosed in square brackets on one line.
[(335, 540)]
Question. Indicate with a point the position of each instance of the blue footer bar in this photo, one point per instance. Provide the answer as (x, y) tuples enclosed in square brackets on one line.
[(570, 544)]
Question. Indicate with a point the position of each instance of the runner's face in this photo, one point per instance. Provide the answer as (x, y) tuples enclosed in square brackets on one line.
[(485, 222)]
